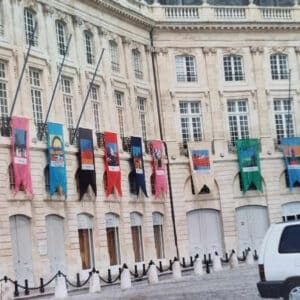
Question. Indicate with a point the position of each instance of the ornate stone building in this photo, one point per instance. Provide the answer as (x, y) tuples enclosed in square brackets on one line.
[(179, 73)]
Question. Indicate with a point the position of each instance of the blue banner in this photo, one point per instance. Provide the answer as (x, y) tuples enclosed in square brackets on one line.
[(138, 164), (291, 152), (56, 159)]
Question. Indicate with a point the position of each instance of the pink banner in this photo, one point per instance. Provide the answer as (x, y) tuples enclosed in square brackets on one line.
[(159, 168), (20, 154)]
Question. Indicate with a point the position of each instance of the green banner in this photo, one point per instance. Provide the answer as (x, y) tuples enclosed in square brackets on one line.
[(249, 163)]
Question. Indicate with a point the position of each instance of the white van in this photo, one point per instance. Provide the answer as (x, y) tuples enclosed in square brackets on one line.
[(279, 261)]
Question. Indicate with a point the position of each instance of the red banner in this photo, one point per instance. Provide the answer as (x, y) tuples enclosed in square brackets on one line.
[(20, 154), (159, 168), (112, 163)]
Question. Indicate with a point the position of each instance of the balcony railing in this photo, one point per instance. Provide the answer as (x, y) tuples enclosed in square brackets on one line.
[(230, 12)]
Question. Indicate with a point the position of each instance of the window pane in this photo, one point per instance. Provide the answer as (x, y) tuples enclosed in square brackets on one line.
[(158, 241), (84, 245), (136, 232), (113, 245), (289, 241)]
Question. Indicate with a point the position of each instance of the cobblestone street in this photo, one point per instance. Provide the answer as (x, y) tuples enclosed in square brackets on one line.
[(238, 284)]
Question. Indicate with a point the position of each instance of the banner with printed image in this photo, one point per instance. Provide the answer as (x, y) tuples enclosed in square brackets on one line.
[(56, 159), (20, 154), (112, 163), (249, 163), (87, 174), (291, 152), (138, 164)]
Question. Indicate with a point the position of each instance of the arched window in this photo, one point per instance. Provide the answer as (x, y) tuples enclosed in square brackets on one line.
[(61, 37), (233, 68), (85, 233), (112, 234), (114, 56), (137, 238), (157, 219), (89, 47), (137, 64), (279, 66), (29, 24)]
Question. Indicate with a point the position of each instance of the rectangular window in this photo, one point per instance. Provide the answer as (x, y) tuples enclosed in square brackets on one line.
[(66, 84), (238, 120), (190, 119), (284, 120), (186, 68), (112, 234), (61, 37), (279, 66), (137, 241), (29, 23), (119, 99), (142, 111), (96, 107), (137, 64), (89, 47), (36, 96), (3, 90), (114, 56), (233, 68), (159, 241), (86, 248)]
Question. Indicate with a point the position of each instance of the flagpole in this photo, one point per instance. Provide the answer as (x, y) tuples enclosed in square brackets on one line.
[(87, 95), (289, 106), (55, 87), (31, 40)]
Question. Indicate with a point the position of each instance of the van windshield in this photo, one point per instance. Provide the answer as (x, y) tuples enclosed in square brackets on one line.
[(290, 240)]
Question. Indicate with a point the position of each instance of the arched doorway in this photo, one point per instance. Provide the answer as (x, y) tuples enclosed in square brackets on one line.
[(20, 229), (205, 232), (252, 222)]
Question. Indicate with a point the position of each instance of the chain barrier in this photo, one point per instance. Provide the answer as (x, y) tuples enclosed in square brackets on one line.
[(206, 262)]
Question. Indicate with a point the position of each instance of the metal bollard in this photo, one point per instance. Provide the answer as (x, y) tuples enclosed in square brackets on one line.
[(144, 270), (160, 267), (191, 261), (183, 262), (109, 275), (170, 262), (16, 293), (209, 258), (207, 267), (136, 274), (226, 257), (26, 287), (42, 289), (204, 259), (77, 279)]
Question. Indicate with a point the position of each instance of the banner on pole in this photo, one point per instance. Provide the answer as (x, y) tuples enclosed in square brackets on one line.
[(138, 164), (87, 174), (20, 154), (249, 163), (291, 152), (112, 163), (159, 168), (56, 159), (201, 167)]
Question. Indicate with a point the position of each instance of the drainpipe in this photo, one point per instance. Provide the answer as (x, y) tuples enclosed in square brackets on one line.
[(165, 144)]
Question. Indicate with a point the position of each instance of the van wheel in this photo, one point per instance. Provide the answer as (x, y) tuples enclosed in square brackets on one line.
[(292, 291)]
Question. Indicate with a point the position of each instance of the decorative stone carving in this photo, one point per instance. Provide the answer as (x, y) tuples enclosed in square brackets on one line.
[(47, 9), (256, 50), (126, 40), (279, 49), (31, 4), (209, 50), (77, 20), (102, 31), (297, 50)]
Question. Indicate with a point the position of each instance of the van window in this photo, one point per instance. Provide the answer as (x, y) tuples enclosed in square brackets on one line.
[(290, 241)]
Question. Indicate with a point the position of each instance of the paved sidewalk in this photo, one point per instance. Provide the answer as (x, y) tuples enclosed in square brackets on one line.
[(236, 284)]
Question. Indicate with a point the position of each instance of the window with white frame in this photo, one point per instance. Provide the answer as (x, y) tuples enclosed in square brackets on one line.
[(89, 47), (61, 37), (157, 219), (94, 95), (119, 100), (190, 120), (233, 68), (284, 120), (142, 103), (3, 90), (279, 66), (36, 95), (137, 64), (29, 23), (112, 234), (114, 56), (185, 68), (66, 84), (238, 119), (136, 234)]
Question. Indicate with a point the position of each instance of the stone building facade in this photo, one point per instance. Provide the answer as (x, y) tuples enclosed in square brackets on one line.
[(182, 73)]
